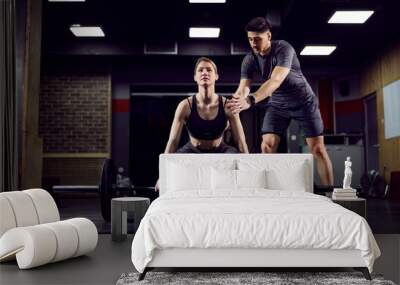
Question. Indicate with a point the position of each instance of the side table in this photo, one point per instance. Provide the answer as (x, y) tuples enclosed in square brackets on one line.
[(358, 205), (119, 214)]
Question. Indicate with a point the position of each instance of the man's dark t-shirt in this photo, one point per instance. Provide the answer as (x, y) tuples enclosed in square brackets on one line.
[(294, 90)]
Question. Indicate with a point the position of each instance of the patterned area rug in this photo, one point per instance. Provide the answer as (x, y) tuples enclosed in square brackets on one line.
[(242, 278)]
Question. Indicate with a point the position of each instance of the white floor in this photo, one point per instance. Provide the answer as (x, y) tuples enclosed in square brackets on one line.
[(110, 260)]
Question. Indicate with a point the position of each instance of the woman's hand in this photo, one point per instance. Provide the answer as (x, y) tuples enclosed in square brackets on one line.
[(238, 104)]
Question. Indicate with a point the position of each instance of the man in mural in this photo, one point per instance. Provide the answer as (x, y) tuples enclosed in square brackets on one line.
[(291, 97)]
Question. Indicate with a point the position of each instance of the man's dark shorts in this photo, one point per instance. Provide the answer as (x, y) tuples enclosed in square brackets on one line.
[(277, 120), (222, 148)]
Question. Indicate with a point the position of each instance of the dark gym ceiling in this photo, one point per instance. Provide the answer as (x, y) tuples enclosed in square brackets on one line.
[(301, 22)]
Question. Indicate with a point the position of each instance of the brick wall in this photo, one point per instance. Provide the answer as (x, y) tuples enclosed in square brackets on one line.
[(74, 122), (74, 113)]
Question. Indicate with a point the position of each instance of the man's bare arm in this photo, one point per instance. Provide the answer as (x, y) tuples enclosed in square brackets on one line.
[(242, 91), (240, 102), (244, 87), (278, 75)]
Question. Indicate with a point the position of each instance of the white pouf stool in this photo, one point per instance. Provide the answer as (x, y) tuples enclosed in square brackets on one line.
[(31, 230)]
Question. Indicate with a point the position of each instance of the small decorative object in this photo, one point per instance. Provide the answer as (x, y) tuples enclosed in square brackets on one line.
[(120, 176), (123, 181), (347, 174)]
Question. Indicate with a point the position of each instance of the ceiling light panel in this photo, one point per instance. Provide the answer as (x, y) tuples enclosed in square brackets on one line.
[(317, 50), (207, 1), (350, 17), (204, 32), (80, 31), (67, 0)]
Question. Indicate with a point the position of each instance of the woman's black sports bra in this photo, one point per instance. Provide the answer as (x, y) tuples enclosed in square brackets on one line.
[(206, 129)]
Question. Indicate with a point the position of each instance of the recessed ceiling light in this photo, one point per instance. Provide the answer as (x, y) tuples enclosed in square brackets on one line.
[(207, 1), (80, 31), (317, 50), (350, 17), (67, 0), (204, 32)]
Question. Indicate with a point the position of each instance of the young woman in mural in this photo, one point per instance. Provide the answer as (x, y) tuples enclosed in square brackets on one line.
[(206, 118)]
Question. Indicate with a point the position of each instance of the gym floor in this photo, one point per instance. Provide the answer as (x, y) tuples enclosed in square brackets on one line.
[(110, 259), (102, 266), (383, 215)]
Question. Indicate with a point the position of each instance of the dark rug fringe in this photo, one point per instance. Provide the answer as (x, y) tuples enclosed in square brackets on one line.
[(244, 278)]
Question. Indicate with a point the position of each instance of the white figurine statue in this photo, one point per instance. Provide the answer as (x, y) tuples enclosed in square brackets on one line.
[(347, 174)]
